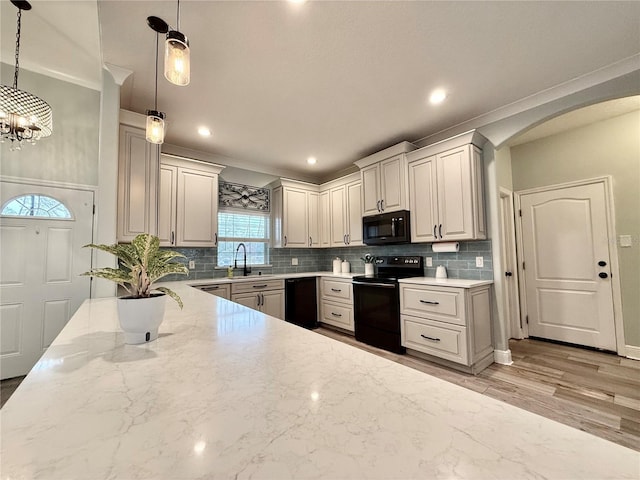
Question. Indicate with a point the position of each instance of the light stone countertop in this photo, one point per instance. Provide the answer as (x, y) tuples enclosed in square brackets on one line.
[(255, 278), (228, 392), (446, 282)]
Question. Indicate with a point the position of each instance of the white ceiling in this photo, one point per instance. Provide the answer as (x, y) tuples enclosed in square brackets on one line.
[(278, 82)]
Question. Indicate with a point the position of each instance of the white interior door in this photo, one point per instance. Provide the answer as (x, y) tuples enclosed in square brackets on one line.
[(567, 266), (41, 259)]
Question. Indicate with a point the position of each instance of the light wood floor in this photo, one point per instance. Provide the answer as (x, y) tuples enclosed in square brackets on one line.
[(596, 392)]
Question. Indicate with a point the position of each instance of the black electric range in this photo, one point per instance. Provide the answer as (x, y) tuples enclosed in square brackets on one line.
[(377, 301)]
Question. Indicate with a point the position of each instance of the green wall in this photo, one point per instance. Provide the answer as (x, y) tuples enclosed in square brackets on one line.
[(70, 154), (610, 147)]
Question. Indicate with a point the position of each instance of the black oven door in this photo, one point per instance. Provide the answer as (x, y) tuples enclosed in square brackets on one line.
[(377, 315)]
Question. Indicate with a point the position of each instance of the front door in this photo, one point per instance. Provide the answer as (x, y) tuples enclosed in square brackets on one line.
[(567, 266), (42, 231)]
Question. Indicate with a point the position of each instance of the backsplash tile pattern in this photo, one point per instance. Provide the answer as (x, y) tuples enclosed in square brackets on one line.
[(459, 264)]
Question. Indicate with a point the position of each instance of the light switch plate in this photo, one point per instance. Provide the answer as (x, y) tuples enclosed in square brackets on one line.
[(429, 261), (625, 241), (294, 261), (192, 264), (479, 262)]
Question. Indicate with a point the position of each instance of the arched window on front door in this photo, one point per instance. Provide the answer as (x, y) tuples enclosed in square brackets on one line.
[(34, 205)]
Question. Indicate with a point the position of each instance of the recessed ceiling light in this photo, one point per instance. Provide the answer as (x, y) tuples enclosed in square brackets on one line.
[(437, 96), (311, 160), (204, 131)]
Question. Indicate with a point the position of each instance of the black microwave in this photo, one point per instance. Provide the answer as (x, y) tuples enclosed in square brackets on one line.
[(386, 228)]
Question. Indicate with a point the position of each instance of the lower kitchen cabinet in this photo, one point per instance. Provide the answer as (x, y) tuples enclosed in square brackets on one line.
[(450, 324), (218, 289), (336, 304), (264, 296)]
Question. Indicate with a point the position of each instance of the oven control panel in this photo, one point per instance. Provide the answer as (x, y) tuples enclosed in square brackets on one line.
[(409, 262)]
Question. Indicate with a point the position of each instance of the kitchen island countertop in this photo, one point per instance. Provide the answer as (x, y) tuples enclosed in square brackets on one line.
[(228, 392)]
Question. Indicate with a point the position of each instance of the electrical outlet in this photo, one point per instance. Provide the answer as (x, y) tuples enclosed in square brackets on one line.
[(429, 261), (479, 262), (294, 261), (192, 264)]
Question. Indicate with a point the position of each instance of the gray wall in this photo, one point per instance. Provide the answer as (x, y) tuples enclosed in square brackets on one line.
[(459, 265), (70, 154), (610, 147)]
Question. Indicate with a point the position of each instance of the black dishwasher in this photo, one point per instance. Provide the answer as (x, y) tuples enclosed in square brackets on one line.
[(301, 302)]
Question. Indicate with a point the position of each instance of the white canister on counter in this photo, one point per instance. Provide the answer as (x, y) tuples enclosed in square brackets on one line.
[(441, 271), (346, 267), (337, 265)]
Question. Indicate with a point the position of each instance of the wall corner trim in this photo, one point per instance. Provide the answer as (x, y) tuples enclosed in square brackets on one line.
[(503, 357)]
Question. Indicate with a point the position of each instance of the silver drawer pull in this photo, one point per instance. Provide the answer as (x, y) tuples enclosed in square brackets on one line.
[(205, 289), (429, 302), (336, 289), (430, 338), (336, 314), (259, 286)]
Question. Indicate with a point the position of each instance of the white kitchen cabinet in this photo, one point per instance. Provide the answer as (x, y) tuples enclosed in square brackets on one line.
[(266, 296), (296, 214), (448, 323), (188, 203), (346, 214), (218, 289), (138, 163), (336, 303), (384, 180), (325, 219), (446, 194)]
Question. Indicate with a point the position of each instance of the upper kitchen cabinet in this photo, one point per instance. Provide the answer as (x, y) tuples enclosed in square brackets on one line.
[(446, 190), (188, 202), (384, 180), (296, 214), (137, 183), (345, 207)]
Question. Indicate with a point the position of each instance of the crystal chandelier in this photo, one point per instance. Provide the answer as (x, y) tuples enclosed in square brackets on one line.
[(23, 117)]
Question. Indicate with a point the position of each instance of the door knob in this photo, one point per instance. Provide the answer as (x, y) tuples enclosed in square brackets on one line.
[(602, 263), (603, 275), (508, 274)]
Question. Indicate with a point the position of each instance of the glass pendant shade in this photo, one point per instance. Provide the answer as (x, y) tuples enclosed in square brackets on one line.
[(155, 127), (177, 64)]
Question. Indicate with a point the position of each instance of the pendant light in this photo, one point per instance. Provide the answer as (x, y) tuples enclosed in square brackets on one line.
[(23, 117), (155, 118), (177, 63)]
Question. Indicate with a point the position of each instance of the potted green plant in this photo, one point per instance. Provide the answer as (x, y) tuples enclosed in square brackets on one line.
[(141, 263)]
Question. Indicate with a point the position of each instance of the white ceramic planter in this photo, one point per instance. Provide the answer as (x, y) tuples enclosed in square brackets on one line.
[(368, 269), (140, 318)]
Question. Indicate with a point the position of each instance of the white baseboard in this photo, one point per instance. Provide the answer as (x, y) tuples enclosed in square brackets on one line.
[(632, 352), (503, 357)]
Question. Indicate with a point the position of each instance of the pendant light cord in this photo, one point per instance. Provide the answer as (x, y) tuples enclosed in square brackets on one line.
[(178, 17), (156, 95), (15, 74)]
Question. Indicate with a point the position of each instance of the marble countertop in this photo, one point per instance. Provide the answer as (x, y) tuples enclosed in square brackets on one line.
[(228, 392), (446, 282), (255, 278)]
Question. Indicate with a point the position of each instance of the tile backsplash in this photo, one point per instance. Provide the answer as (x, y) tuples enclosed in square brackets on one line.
[(460, 264)]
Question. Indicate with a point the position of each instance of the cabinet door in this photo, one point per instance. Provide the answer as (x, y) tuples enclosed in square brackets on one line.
[(273, 303), (247, 299), (455, 191), (313, 201), (370, 189), (393, 184), (295, 218), (354, 214), (167, 205), (423, 199), (138, 163), (197, 208), (325, 220), (338, 228)]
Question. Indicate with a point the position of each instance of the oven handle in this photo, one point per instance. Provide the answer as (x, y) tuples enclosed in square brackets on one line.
[(383, 285)]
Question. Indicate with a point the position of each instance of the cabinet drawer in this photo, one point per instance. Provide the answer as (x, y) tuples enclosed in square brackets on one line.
[(435, 338), (336, 290), (445, 304), (257, 286), (218, 289), (337, 315)]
